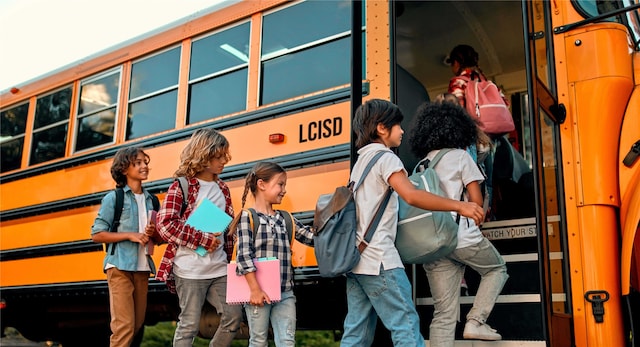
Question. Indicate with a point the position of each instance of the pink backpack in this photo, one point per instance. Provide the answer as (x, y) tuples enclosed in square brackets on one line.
[(484, 100)]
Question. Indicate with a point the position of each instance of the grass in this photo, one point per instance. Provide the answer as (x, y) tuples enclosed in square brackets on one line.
[(161, 335)]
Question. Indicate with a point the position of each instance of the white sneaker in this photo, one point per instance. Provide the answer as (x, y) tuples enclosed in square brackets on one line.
[(474, 330)]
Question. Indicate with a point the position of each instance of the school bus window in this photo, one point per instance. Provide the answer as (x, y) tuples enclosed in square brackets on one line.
[(591, 8), (218, 74), (306, 45), (50, 126), (153, 94), (12, 124), (97, 111)]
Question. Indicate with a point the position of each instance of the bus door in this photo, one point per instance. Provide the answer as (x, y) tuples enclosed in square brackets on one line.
[(546, 116), (526, 223)]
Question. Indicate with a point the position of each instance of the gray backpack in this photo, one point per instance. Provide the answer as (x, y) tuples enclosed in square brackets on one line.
[(335, 223), (424, 236)]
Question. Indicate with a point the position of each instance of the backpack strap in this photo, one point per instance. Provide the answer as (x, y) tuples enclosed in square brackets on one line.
[(371, 228), (368, 168), (155, 202), (117, 212), (184, 186)]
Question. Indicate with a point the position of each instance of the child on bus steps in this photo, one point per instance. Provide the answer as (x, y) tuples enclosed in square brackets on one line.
[(378, 285), (197, 278), (126, 265), (446, 125), (267, 183)]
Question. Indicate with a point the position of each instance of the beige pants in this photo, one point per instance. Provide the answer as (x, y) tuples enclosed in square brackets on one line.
[(128, 304)]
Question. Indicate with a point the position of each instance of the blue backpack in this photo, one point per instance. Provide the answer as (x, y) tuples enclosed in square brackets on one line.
[(424, 236), (335, 224)]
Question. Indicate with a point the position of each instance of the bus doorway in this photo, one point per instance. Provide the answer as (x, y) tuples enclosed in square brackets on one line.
[(424, 33)]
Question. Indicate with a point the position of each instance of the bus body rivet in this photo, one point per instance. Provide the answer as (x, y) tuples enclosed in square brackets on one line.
[(578, 42)]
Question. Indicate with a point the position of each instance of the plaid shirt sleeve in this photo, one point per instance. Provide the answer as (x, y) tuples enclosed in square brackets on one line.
[(171, 225), (246, 250), (457, 85), (304, 233)]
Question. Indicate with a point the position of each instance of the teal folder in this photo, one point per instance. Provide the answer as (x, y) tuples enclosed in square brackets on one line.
[(208, 218)]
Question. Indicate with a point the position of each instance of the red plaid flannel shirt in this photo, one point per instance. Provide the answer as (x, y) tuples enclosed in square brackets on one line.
[(171, 226)]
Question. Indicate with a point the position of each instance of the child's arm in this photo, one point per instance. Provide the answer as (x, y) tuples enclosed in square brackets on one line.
[(475, 193), (425, 200), (304, 233), (110, 237), (171, 224), (100, 230), (258, 296)]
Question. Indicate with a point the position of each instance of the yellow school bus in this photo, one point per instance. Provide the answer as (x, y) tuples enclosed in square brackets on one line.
[(281, 80)]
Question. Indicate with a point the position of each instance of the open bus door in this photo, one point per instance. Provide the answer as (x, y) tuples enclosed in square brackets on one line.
[(528, 227), (546, 115)]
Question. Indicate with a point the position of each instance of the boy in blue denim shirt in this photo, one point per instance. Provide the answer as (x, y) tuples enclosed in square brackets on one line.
[(126, 264)]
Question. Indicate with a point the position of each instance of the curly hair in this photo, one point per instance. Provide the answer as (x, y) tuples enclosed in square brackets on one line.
[(204, 145), (441, 125), (124, 158), (369, 115)]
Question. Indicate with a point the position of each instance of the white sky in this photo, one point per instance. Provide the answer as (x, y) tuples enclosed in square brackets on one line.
[(38, 36)]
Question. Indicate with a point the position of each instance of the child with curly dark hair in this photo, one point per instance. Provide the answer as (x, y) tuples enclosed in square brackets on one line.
[(126, 264), (446, 125)]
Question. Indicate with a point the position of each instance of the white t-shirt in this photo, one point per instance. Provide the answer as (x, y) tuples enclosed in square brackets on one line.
[(381, 249), (143, 264), (456, 169), (188, 263)]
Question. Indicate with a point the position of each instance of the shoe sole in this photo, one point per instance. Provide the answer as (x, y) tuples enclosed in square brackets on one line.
[(481, 337)]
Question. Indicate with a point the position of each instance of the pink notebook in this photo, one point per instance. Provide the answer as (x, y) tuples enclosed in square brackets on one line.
[(267, 274)]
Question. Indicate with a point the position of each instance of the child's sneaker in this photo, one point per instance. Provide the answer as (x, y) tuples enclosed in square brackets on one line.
[(475, 330)]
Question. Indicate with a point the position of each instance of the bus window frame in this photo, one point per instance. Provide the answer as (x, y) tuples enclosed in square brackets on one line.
[(78, 117)]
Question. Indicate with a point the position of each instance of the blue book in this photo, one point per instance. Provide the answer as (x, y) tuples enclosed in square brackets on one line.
[(208, 218)]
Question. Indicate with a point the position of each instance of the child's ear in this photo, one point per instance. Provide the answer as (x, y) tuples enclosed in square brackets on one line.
[(381, 129)]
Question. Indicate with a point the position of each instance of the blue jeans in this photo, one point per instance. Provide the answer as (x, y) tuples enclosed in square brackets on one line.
[(388, 296), (444, 281), (282, 315), (191, 296)]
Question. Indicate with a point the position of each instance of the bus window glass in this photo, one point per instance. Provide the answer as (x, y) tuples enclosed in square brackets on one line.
[(153, 96), (12, 124), (552, 193), (153, 115), (50, 126), (96, 129), (306, 71), (99, 94), (218, 74), (220, 51), (155, 73), (217, 96), (540, 34), (307, 47), (306, 22)]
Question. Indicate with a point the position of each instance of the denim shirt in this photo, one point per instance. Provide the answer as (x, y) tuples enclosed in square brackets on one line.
[(125, 257)]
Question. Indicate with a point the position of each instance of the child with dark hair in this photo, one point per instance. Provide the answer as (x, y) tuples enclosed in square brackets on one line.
[(440, 126), (125, 263), (194, 277), (378, 285), (267, 183)]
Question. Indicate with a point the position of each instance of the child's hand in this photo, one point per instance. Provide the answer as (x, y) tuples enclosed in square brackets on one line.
[(215, 245), (150, 229), (139, 238), (259, 298), (472, 210)]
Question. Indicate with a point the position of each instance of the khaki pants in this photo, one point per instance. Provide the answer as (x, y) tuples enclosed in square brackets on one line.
[(127, 303)]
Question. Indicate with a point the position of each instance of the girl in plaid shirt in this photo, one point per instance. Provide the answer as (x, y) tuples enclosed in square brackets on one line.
[(198, 278), (267, 182)]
